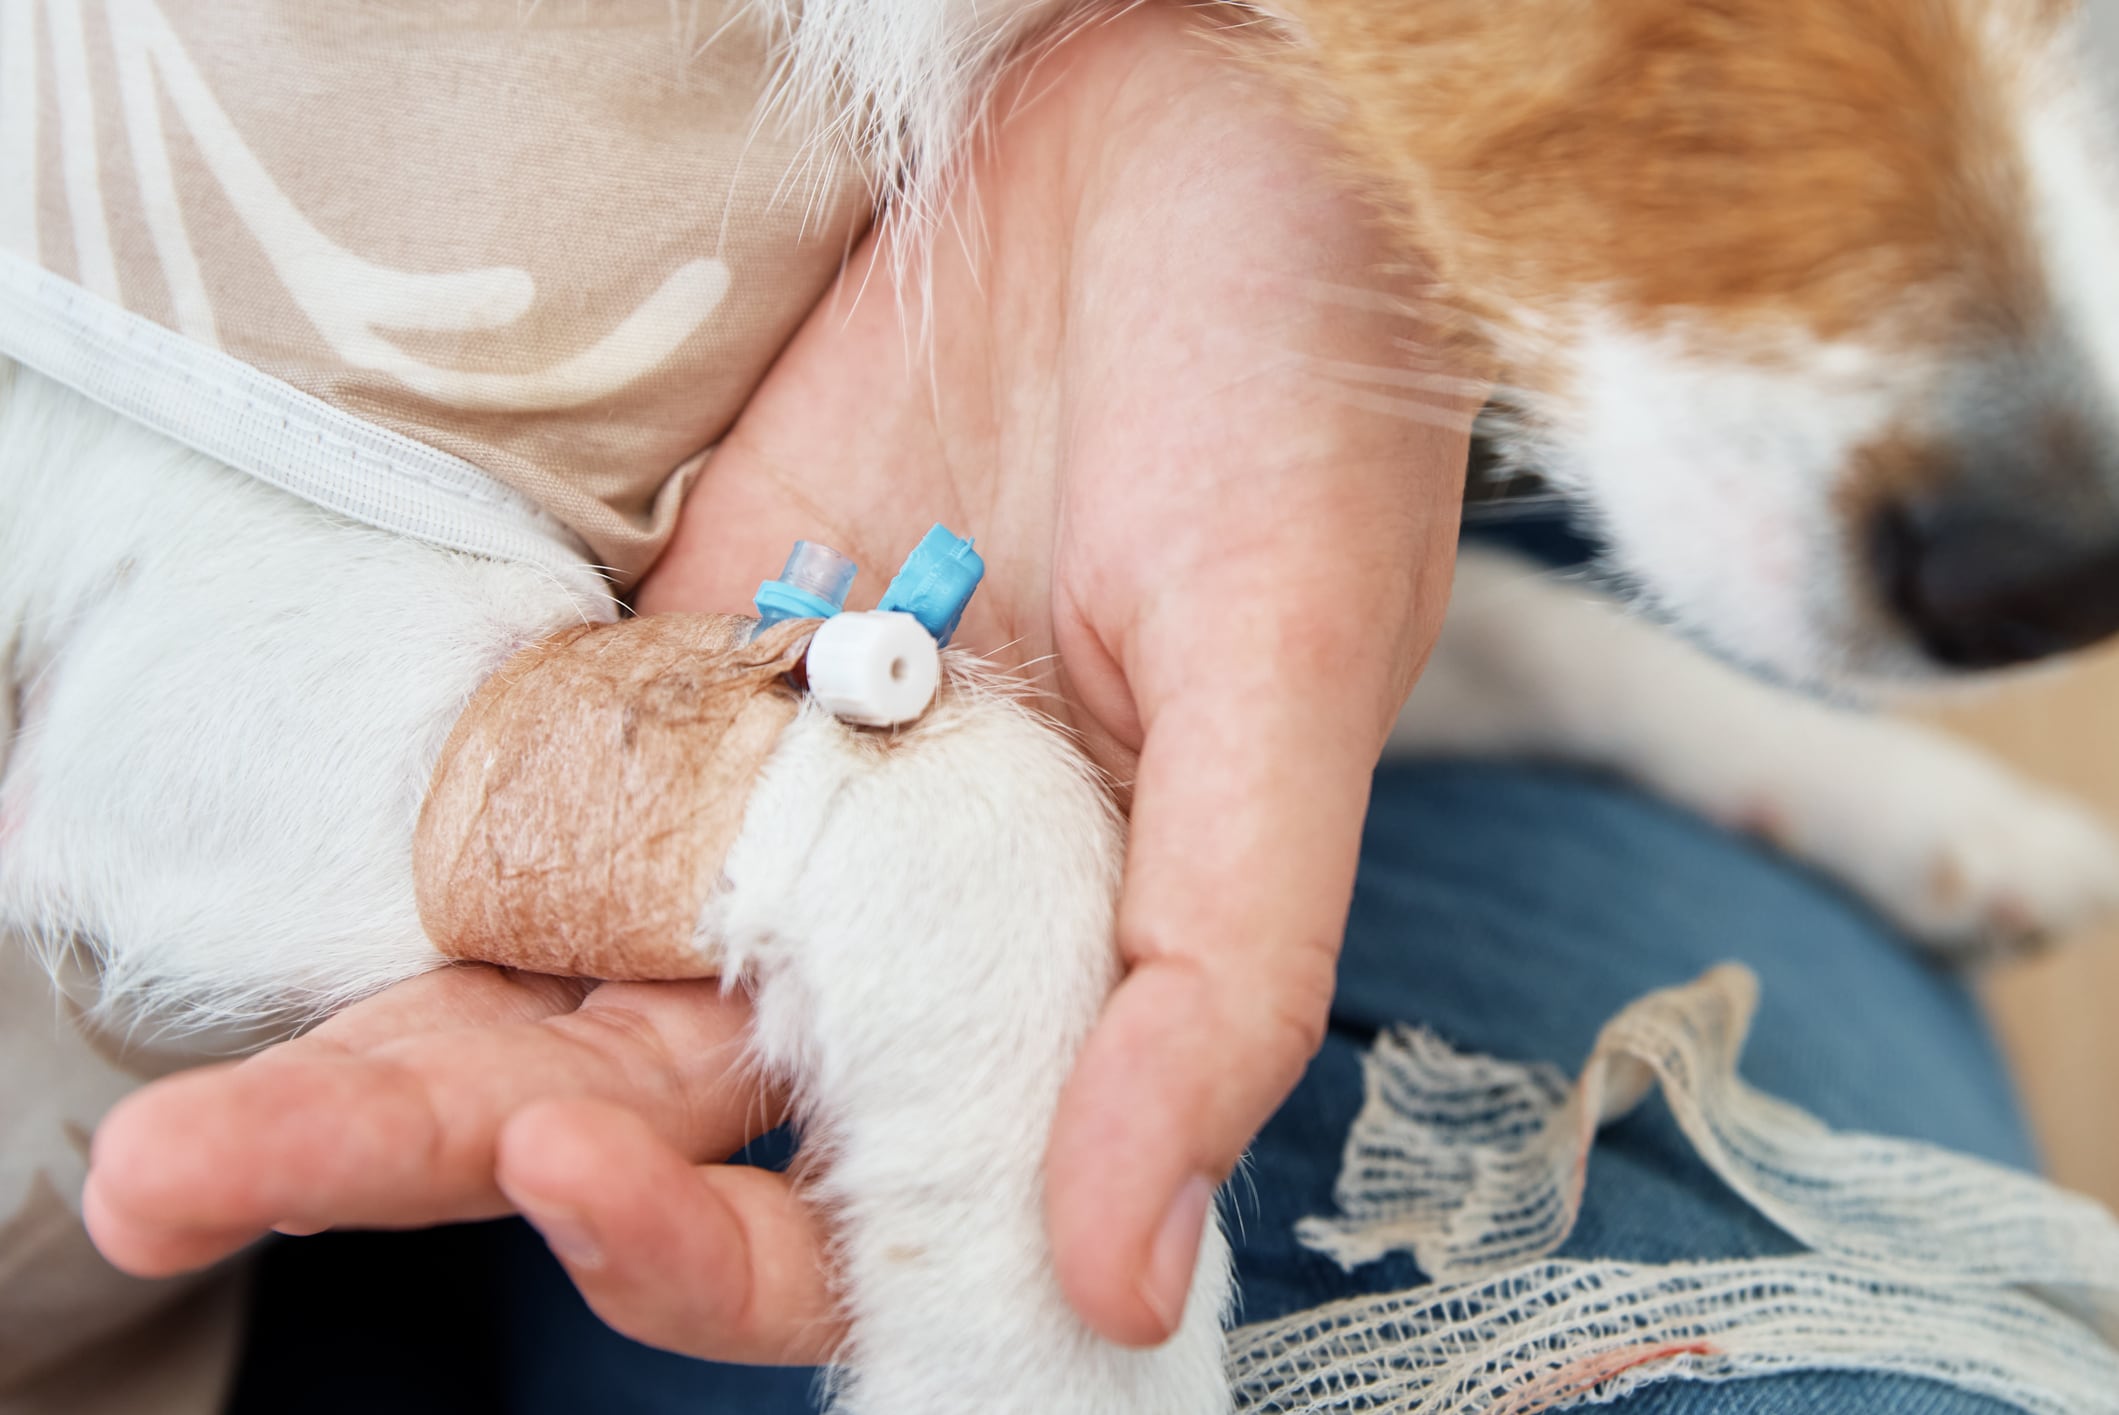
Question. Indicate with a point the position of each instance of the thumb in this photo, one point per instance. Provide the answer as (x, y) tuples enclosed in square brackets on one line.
[(1247, 821)]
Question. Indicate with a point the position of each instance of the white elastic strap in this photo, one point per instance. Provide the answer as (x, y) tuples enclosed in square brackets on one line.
[(230, 411)]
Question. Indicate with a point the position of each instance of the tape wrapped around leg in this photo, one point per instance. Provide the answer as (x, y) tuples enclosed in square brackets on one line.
[(584, 803)]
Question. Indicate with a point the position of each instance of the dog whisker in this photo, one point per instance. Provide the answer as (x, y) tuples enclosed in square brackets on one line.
[(1448, 416), (1401, 378)]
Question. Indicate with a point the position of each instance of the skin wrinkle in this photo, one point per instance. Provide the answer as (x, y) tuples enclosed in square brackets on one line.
[(641, 1053), (438, 1139)]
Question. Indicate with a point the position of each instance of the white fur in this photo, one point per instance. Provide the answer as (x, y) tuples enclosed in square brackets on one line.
[(1711, 466), (232, 702), (928, 926), (899, 85), (2068, 154)]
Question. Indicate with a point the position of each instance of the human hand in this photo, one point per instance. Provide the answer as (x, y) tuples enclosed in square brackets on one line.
[(416, 1106), (1160, 394), (1151, 389)]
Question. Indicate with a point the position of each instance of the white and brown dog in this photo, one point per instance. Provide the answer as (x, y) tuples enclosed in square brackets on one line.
[(1811, 303)]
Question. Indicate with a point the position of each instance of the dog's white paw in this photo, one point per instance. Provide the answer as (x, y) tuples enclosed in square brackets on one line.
[(1966, 856)]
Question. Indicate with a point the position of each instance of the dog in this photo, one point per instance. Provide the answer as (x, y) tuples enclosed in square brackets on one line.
[(1807, 303)]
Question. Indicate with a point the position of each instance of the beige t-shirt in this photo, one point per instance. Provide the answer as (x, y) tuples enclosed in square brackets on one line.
[(489, 273), (442, 244)]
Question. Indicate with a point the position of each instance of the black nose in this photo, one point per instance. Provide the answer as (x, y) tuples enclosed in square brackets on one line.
[(1984, 587)]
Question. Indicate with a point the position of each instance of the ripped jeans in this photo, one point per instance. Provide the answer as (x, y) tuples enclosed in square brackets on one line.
[(1510, 910)]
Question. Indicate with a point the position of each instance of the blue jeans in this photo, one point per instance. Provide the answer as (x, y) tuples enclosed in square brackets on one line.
[(1512, 910)]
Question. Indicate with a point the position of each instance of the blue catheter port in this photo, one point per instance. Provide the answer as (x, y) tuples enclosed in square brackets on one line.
[(812, 585), (936, 582)]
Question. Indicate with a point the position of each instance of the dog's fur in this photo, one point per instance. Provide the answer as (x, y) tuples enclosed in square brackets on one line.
[(1863, 247), (220, 705)]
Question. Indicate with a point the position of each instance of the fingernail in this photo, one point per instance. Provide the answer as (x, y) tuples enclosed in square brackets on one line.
[(1176, 1252), (293, 1229), (567, 1236)]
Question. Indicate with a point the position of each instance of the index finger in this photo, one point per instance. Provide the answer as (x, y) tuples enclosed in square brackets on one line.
[(391, 1119)]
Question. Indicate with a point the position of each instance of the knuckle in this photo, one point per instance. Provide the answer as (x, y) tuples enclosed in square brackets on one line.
[(646, 1317), (1284, 1023), (629, 1053), (1296, 1026), (1299, 1008)]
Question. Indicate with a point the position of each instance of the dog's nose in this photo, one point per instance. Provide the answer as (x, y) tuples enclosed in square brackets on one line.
[(1982, 587)]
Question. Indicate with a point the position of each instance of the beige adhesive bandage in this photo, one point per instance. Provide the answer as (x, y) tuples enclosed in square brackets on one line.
[(584, 803)]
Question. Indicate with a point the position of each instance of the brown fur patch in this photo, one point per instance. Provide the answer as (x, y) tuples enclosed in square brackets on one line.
[(1805, 160)]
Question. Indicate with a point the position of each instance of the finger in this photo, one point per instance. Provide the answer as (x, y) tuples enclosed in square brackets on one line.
[(718, 1262), (1266, 665), (1238, 877), (456, 997), (400, 1130)]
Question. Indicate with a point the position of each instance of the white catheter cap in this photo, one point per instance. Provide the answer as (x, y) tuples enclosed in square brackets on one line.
[(878, 668)]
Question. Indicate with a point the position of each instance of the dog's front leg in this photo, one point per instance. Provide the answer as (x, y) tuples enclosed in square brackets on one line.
[(927, 921), (1957, 850)]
